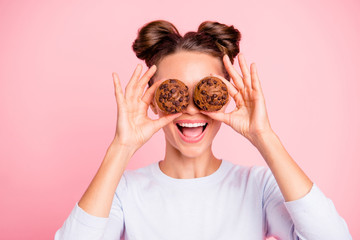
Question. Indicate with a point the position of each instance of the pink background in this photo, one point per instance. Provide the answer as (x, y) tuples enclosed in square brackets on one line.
[(58, 110)]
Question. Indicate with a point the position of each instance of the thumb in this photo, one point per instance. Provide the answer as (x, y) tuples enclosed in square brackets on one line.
[(219, 116), (163, 121)]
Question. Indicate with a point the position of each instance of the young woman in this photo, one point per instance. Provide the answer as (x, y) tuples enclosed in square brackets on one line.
[(192, 194)]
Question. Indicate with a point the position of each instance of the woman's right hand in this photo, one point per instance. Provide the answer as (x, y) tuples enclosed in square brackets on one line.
[(134, 127)]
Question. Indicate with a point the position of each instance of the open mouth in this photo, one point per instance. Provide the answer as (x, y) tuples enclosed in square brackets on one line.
[(191, 132)]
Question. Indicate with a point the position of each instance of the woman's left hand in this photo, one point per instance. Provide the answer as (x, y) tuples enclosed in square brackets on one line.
[(249, 118)]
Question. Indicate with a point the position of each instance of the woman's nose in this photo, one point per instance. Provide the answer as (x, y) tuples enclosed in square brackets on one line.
[(191, 108)]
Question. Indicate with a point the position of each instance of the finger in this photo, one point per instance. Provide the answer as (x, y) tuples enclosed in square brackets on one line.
[(149, 93), (255, 78), (245, 71), (236, 77), (163, 121), (117, 87), (219, 116), (140, 85), (233, 92), (129, 90)]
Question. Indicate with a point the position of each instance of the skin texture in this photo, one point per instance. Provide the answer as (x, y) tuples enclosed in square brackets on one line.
[(182, 159)]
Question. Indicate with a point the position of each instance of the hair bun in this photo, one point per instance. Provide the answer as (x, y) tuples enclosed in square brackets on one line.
[(150, 36), (227, 38)]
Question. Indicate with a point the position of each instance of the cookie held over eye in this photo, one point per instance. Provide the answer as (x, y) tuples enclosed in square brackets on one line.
[(172, 96), (210, 94)]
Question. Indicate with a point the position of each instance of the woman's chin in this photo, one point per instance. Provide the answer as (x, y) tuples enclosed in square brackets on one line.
[(194, 151)]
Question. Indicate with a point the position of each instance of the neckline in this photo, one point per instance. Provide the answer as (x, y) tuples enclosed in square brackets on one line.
[(212, 178)]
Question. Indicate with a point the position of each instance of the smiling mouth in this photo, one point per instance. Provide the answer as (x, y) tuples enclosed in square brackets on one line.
[(192, 132), (191, 128)]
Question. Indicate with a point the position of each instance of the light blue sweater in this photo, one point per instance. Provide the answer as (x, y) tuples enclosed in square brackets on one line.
[(235, 202)]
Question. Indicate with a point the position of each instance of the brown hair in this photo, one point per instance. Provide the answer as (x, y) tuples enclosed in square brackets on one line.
[(160, 38)]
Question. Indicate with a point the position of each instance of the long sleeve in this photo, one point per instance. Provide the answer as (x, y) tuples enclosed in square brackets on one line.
[(312, 217), (81, 225), (315, 217)]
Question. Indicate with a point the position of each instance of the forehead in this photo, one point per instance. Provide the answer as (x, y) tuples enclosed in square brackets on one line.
[(188, 66)]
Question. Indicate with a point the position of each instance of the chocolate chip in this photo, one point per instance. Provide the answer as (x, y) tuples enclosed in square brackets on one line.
[(186, 87), (224, 88), (177, 103), (169, 95), (172, 90), (181, 99), (203, 92), (198, 102), (172, 81), (204, 108), (224, 96), (214, 95), (181, 92), (165, 85), (219, 98), (216, 102)]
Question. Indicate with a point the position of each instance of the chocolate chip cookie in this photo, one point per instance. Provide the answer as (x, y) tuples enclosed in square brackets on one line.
[(210, 94), (172, 96)]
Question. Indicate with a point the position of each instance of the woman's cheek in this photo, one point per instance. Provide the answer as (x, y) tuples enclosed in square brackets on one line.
[(169, 132), (216, 127)]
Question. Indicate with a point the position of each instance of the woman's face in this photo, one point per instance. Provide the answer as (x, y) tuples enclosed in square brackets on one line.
[(190, 68)]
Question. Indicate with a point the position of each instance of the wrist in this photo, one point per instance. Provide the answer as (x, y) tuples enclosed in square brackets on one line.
[(261, 138), (117, 145)]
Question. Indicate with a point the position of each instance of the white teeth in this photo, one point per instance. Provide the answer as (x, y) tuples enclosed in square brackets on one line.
[(192, 124)]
